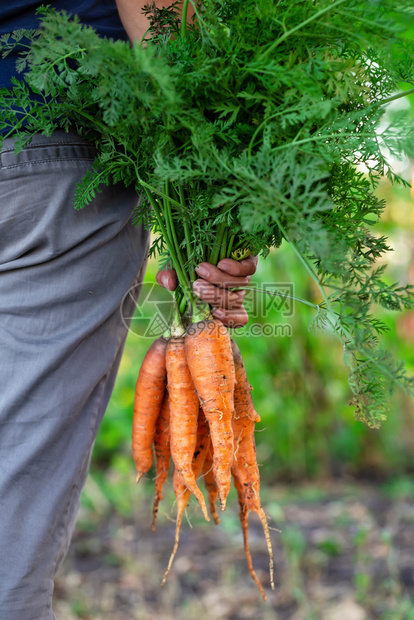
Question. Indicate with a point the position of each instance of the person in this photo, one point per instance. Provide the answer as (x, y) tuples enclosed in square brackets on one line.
[(64, 275)]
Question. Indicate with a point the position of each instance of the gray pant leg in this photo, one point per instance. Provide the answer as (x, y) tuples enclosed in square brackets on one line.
[(63, 276)]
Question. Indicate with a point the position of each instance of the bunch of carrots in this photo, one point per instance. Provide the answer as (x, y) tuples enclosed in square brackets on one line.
[(193, 404)]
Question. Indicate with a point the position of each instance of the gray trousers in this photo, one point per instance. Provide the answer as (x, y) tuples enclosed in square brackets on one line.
[(63, 277)]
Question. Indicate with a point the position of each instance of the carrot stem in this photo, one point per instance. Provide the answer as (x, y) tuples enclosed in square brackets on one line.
[(215, 252), (186, 227), (177, 328), (230, 245), (173, 232), (183, 27), (200, 312), (223, 249), (182, 279)]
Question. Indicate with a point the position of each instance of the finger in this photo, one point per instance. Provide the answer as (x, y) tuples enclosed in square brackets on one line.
[(219, 278), (245, 267), (231, 318), (218, 297), (167, 278)]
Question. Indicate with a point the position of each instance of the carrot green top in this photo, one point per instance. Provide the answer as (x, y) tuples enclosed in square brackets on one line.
[(262, 121)]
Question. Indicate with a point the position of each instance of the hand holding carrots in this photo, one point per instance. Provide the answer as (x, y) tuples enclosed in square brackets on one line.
[(209, 404), (213, 284)]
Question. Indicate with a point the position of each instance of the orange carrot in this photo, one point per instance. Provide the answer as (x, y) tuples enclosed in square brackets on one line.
[(184, 413), (245, 467), (243, 514), (149, 393), (181, 491), (210, 360), (243, 403), (211, 485), (162, 453)]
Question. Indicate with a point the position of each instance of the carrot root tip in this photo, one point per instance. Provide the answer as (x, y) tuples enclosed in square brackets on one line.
[(139, 476), (202, 504), (176, 541), (205, 513), (265, 526)]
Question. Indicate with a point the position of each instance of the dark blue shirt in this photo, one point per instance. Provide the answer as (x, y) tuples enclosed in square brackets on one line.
[(100, 14)]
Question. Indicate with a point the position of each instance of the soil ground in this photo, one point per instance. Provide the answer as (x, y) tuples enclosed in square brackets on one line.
[(345, 551)]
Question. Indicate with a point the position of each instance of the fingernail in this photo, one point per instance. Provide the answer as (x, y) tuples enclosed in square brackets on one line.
[(202, 271)]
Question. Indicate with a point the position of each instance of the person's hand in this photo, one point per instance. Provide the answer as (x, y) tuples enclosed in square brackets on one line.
[(213, 284)]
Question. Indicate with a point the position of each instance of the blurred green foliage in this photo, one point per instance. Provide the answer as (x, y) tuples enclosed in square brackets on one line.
[(300, 383)]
